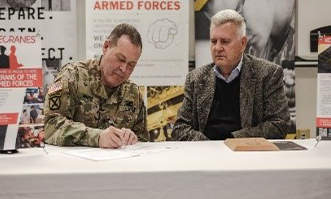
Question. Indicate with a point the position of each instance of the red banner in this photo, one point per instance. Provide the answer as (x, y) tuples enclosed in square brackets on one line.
[(323, 122), (21, 78), (8, 118)]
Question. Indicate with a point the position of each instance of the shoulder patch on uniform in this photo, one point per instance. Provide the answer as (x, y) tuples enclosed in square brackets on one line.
[(55, 103), (55, 87)]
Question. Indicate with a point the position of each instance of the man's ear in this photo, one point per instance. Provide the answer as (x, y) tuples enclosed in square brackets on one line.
[(244, 42), (106, 45)]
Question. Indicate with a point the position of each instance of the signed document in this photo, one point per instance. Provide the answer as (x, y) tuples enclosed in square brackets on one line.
[(250, 144), (98, 154)]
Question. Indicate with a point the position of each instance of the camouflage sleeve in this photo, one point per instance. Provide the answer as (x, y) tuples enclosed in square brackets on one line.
[(59, 108), (186, 125)]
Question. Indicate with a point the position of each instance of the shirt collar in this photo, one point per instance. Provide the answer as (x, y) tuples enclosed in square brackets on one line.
[(234, 73)]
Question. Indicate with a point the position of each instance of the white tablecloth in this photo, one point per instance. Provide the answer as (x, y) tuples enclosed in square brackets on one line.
[(190, 170)]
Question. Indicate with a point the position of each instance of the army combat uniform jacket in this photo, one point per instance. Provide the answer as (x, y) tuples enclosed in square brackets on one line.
[(78, 106)]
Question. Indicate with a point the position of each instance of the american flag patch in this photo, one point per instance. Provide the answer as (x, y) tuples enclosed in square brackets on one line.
[(55, 87)]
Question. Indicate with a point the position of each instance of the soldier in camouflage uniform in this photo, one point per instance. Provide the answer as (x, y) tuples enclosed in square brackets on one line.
[(92, 102)]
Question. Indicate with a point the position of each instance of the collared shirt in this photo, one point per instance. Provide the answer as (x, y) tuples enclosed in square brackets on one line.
[(234, 73)]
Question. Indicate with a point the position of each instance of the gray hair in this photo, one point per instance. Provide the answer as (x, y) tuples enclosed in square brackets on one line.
[(229, 15)]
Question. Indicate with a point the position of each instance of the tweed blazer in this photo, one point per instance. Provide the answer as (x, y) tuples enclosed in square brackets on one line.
[(263, 105)]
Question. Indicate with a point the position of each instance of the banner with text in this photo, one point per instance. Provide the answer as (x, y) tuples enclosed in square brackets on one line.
[(323, 117), (163, 26), (57, 23), (21, 91)]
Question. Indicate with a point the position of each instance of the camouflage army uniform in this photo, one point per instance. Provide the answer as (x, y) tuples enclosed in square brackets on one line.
[(78, 107)]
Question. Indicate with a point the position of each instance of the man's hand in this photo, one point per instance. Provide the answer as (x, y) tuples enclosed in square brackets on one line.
[(111, 138), (129, 137), (116, 138)]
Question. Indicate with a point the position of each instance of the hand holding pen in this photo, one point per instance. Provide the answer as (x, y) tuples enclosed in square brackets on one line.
[(116, 138)]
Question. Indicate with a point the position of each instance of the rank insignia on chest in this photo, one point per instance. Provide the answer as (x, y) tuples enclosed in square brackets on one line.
[(128, 105), (54, 103)]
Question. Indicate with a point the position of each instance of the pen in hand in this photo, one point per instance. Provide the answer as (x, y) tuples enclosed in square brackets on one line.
[(318, 139), (111, 138)]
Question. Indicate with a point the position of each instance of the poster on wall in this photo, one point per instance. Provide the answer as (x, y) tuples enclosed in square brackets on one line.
[(270, 28), (57, 23), (323, 116), (163, 26), (21, 91), (163, 65)]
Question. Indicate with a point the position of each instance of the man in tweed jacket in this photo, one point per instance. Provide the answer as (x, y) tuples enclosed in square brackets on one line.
[(237, 95)]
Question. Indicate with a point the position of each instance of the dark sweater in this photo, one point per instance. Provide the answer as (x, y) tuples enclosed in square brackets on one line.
[(224, 116)]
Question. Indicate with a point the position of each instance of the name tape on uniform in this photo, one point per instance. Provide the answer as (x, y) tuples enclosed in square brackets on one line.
[(54, 88)]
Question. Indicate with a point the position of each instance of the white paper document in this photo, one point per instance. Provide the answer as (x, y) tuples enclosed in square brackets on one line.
[(98, 154)]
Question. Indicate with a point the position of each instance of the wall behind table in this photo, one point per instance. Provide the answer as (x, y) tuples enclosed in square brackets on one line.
[(305, 76), (306, 90)]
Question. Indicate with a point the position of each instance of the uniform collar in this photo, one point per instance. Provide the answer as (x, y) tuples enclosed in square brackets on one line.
[(99, 89)]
